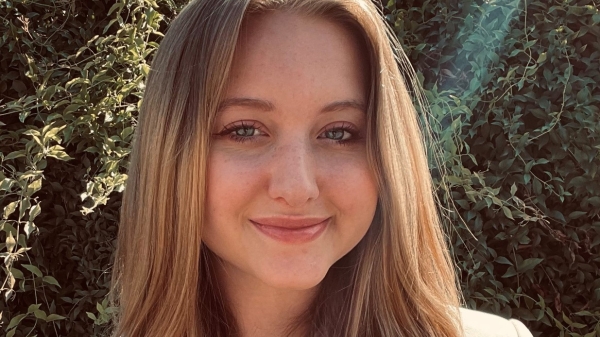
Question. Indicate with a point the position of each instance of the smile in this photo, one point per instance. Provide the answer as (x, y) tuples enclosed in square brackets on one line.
[(291, 231)]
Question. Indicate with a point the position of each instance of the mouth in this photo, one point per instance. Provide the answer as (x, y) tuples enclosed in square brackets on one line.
[(287, 230)]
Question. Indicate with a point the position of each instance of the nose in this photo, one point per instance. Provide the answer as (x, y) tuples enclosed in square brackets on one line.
[(293, 175)]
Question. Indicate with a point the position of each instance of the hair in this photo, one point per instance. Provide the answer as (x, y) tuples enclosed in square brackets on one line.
[(398, 281)]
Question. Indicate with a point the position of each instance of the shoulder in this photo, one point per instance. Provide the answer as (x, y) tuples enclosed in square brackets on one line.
[(481, 324)]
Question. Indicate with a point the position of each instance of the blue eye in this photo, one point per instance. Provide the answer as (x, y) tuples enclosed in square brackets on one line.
[(245, 131), (241, 131), (338, 134), (343, 134)]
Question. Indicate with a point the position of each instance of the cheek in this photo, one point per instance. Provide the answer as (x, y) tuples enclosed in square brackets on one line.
[(349, 176), (350, 186), (348, 183), (233, 181)]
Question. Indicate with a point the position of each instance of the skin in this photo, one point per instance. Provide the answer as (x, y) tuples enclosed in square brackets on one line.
[(289, 163)]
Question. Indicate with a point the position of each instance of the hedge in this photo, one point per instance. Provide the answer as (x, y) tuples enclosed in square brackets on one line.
[(514, 103)]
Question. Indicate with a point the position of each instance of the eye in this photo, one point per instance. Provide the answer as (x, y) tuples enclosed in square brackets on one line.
[(242, 131), (338, 134), (343, 134), (246, 131)]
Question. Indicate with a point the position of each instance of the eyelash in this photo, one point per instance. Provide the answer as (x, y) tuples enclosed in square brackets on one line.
[(230, 129)]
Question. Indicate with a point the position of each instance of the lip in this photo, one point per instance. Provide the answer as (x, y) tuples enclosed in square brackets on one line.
[(291, 230)]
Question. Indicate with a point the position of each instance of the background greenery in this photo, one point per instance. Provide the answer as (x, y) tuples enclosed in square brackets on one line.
[(515, 105)]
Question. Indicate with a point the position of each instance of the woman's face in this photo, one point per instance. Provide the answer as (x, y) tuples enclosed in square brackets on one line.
[(289, 188)]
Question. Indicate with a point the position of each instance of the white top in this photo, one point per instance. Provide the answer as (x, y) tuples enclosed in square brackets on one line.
[(481, 324)]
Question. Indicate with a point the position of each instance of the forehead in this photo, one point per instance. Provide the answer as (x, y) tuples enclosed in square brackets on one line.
[(282, 56)]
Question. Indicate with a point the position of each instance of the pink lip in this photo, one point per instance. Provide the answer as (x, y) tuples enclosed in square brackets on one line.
[(291, 230)]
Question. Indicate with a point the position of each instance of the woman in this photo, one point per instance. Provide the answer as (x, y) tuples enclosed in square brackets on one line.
[(279, 186)]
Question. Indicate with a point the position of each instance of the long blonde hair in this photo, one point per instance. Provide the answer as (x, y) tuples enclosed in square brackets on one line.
[(398, 281)]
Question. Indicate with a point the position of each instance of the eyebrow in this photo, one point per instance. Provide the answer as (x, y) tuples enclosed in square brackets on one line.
[(264, 105)]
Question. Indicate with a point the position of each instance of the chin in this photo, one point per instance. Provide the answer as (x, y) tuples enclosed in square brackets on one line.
[(294, 280)]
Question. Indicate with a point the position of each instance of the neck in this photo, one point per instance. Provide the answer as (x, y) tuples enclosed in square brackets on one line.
[(261, 310)]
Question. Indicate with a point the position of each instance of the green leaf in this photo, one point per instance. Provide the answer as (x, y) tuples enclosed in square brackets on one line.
[(528, 264), (537, 186), (9, 209), (6, 184), (145, 69), (15, 320), (54, 317), (33, 307), (33, 269), (17, 273), (99, 308), (31, 132), (40, 314), (568, 72), (58, 153), (594, 201), (30, 227), (463, 203), (510, 272), (513, 189), (34, 211), (503, 260), (11, 281), (577, 214), (51, 280), (118, 5), (51, 133), (71, 108), (23, 207), (10, 242), (541, 58), (15, 154), (507, 212), (506, 164), (35, 186), (75, 81)]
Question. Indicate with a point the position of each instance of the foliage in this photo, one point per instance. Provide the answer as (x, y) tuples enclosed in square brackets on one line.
[(514, 102), (72, 78)]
